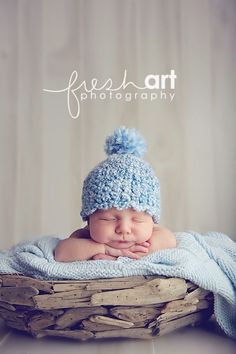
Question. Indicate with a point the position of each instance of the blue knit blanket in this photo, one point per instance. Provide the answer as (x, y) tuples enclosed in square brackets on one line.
[(208, 260)]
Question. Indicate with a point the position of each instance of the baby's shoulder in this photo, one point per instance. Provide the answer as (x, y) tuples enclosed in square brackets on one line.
[(81, 233), (162, 238), (161, 231), (158, 227)]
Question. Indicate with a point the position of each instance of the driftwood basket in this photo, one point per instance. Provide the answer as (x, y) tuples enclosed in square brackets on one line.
[(132, 307)]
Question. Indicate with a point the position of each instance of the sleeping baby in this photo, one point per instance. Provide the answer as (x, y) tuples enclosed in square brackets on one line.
[(121, 205)]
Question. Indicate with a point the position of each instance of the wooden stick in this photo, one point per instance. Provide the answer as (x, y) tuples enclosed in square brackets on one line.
[(96, 327), (140, 333), (193, 319), (76, 334), (116, 285), (110, 321), (153, 292), (18, 295), (135, 314), (198, 293), (7, 306), (72, 316), (41, 321), (74, 298), (15, 280)]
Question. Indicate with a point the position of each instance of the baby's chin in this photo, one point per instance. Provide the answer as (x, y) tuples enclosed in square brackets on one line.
[(121, 244)]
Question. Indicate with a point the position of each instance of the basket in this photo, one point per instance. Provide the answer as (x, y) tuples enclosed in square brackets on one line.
[(131, 307)]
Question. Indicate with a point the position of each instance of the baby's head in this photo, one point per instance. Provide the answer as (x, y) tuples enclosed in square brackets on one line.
[(122, 187)]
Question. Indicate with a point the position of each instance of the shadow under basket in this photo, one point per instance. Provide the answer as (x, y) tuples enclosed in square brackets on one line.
[(134, 307)]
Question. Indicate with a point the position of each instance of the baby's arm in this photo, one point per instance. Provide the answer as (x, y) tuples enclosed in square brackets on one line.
[(161, 238), (77, 249)]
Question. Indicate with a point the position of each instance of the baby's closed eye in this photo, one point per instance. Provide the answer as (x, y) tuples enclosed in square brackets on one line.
[(108, 219), (138, 220)]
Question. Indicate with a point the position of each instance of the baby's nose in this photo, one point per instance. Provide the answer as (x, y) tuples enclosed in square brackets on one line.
[(123, 227)]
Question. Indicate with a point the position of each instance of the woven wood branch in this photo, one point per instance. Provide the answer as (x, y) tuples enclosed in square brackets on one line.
[(133, 307)]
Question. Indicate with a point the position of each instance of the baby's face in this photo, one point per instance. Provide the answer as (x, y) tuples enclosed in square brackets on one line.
[(120, 228)]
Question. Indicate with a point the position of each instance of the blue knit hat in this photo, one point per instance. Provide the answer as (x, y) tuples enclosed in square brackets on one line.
[(124, 180)]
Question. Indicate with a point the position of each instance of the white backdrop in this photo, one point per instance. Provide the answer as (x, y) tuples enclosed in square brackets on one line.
[(45, 154)]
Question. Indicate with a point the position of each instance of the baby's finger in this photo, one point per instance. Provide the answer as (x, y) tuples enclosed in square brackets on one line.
[(114, 252), (130, 254), (139, 248), (144, 244)]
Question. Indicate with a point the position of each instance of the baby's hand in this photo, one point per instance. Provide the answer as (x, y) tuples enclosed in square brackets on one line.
[(131, 252), (117, 252), (140, 247)]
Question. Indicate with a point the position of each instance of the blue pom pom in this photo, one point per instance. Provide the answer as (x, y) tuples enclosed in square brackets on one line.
[(125, 141)]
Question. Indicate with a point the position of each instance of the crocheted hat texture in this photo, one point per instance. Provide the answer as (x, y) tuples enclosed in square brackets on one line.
[(124, 180)]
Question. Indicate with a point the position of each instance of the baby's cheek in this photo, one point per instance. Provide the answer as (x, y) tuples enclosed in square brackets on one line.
[(140, 237), (96, 234), (100, 234), (143, 234)]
